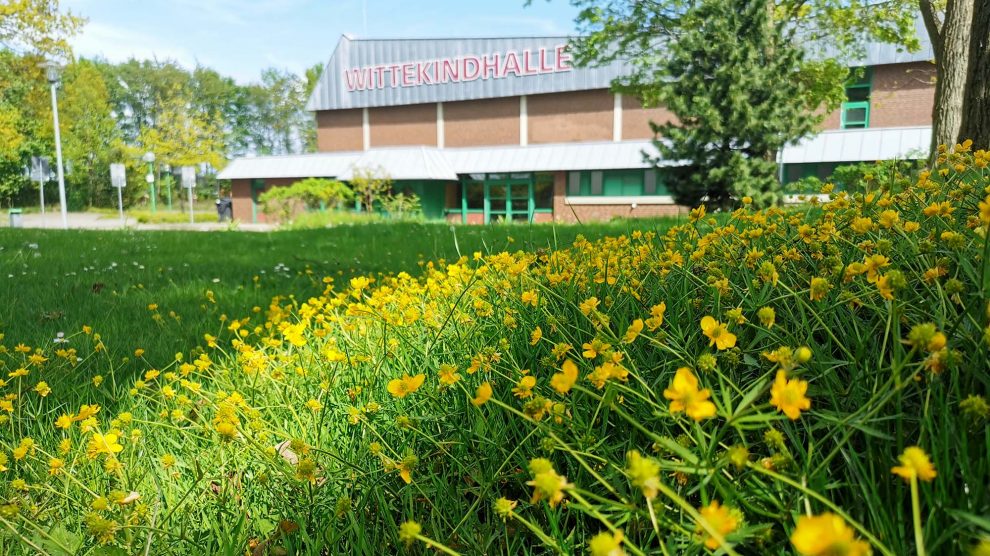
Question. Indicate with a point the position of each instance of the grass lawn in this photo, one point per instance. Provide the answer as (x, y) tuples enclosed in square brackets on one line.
[(53, 281)]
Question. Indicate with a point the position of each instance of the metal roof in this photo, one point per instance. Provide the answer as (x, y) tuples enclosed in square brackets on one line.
[(430, 163), (290, 166), (861, 145), (403, 163), (389, 72)]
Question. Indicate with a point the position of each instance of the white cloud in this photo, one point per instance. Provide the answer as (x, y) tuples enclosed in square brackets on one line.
[(118, 44)]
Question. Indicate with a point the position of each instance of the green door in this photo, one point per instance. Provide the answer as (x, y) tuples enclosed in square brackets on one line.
[(508, 200), (257, 188)]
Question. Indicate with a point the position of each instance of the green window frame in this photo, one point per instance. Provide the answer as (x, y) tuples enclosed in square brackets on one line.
[(855, 112)]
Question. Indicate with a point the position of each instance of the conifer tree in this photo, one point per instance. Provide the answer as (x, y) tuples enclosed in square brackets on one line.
[(730, 79)]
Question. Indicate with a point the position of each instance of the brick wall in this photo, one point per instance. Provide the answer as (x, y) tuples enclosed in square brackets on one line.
[(473, 123), (902, 95), (414, 124), (636, 119), (240, 194), (563, 212), (339, 130), (570, 117)]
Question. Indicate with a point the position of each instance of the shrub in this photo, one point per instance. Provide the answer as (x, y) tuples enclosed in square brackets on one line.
[(811, 380), (311, 193)]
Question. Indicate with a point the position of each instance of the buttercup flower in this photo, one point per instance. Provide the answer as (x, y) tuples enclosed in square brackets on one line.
[(687, 397), (789, 395), (914, 464), (402, 387), (718, 333)]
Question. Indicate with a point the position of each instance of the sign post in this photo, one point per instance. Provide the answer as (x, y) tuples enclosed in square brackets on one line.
[(189, 182), (40, 172), (118, 178)]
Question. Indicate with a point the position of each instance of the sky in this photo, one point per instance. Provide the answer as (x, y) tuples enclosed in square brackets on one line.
[(239, 38)]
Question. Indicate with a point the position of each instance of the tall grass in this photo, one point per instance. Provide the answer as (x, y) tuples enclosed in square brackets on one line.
[(777, 382)]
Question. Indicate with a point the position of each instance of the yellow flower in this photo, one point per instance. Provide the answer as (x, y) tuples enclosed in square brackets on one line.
[(524, 388), (314, 405), (767, 316), (138, 352), (42, 389), (718, 333), (482, 394), (448, 375), (644, 473), (633, 331), (827, 535), (547, 484), (402, 387), (589, 305), (604, 544), (819, 288), (530, 298), (789, 395), (914, 463), (103, 444), (687, 397), (564, 380), (64, 421), (656, 316), (535, 337), (409, 531), (55, 466), (720, 518)]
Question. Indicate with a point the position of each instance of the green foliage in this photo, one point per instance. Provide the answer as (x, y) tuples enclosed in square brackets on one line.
[(370, 185), (636, 31), (38, 25), (402, 205), (282, 202), (729, 84)]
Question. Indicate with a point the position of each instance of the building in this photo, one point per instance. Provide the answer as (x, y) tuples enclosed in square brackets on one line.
[(488, 129)]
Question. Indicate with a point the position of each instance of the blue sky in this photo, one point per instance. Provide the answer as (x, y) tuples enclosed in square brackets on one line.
[(240, 37)]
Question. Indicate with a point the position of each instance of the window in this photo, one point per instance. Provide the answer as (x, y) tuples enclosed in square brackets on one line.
[(856, 109), (474, 195), (624, 183), (615, 183), (543, 191)]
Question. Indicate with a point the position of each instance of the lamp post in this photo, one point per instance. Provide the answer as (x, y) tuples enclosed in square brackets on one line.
[(149, 157), (53, 73)]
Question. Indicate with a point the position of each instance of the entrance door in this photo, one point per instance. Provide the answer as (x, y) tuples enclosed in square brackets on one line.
[(508, 200)]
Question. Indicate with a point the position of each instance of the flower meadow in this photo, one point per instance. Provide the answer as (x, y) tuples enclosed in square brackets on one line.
[(808, 380)]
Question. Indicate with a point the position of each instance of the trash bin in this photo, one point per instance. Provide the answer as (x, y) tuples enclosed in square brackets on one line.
[(16, 218), (225, 209)]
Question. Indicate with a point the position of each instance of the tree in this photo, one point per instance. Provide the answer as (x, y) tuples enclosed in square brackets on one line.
[(90, 136), (949, 34), (831, 32), (728, 80), (182, 136), (38, 26), (976, 104)]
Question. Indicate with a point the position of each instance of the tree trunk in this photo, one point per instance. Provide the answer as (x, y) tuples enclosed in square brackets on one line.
[(976, 105), (951, 44)]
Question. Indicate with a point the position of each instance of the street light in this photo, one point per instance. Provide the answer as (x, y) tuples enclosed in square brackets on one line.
[(53, 73), (149, 157)]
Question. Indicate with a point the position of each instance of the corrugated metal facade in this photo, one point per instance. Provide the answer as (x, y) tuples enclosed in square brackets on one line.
[(372, 72), (333, 91)]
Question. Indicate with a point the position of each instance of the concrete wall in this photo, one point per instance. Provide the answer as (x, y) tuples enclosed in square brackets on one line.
[(339, 130), (570, 117)]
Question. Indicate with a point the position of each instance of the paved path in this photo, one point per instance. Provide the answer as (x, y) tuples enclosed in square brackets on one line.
[(98, 221)]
